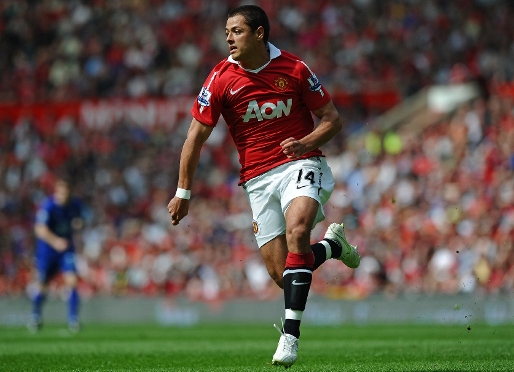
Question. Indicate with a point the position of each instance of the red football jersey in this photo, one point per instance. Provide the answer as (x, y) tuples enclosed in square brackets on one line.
[(262, 107)]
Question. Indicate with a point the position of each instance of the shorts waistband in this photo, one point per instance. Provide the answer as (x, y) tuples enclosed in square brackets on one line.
[(317, 157)]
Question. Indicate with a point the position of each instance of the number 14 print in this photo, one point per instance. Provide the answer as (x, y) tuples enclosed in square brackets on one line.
[(307, 178)]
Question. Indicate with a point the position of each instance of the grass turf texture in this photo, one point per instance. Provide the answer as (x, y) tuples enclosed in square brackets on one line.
[(250, 348)]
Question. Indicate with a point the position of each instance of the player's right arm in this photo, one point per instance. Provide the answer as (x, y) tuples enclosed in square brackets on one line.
[(44, 233), (189, 158)]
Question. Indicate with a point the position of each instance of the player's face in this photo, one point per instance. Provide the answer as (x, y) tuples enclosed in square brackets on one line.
[(61, 193), (242, 42)]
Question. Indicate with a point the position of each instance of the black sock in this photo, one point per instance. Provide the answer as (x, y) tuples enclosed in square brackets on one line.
[(320, 252), (292, 327), (337, 250), (297, 282)]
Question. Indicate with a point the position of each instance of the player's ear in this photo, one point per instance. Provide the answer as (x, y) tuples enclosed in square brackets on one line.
[(260, 33)]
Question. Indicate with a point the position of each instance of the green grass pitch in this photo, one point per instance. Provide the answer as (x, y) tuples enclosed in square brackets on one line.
[(250, 348)]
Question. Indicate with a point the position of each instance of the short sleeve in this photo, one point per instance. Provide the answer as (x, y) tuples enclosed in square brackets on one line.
[(314, 95), (207, 106), (42, 215)]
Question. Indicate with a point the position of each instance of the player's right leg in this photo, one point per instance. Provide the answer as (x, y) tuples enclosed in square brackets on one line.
[(300, 215), (285, 205), (45, 269), (297, 190), (275, 254), (38, 297), (270, 232)]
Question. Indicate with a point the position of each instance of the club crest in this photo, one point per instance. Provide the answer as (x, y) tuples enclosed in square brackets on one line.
[(255, 227), (281, 83)]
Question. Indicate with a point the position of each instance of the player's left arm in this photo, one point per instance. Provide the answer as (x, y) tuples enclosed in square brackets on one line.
[(329, 125), (43, 232)]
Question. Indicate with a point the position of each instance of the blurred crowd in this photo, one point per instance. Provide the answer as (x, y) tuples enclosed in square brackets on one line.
[(431, 214), (63, 50)]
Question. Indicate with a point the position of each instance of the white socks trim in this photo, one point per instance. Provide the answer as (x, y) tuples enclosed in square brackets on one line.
[(328, 249), (294, 314)]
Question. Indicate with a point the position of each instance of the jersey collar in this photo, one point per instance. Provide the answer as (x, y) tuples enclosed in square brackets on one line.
[(274, 52)]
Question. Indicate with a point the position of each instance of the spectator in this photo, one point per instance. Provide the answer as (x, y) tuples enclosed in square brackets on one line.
[(438, 206)]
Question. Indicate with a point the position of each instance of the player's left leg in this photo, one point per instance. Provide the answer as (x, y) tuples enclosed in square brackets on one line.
[(274, 255), (71, 281), (328, 247), (286, 204)]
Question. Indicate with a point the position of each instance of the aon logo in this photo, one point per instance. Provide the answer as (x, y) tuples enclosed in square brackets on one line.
[(267, 111)]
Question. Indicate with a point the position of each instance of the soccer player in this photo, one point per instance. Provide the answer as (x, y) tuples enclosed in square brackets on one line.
[(56, 219), (266, 96)]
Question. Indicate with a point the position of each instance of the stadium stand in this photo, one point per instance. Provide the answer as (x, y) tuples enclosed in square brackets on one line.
[(431, 210)]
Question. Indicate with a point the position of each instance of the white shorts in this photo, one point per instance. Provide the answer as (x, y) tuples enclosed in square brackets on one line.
[(271, 193)]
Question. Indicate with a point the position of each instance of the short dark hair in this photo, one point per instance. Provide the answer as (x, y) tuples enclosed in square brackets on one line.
[(65, 177), (254, 17)]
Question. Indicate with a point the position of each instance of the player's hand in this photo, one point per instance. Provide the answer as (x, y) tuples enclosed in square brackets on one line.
[(60, 244), (178, 209), (292, 148)]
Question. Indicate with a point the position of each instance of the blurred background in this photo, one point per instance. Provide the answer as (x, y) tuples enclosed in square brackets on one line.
[(424, 175)]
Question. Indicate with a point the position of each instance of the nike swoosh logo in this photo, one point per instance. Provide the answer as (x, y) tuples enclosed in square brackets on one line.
[(296, 283), (301, 187), (235, 91)]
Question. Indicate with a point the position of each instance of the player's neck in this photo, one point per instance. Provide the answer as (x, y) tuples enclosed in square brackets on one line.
[(258, 60)]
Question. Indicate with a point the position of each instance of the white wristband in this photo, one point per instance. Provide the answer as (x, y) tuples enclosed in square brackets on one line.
[(183, 194)]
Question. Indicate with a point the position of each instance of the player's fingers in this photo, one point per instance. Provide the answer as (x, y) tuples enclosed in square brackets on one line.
[(178, 209), (288, 147), (173, 208), (287, 141), (174, 219), (61, 244), (291, 148)]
